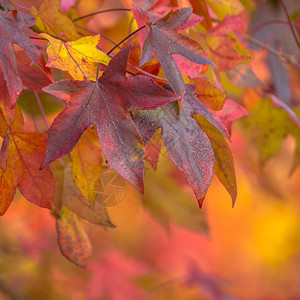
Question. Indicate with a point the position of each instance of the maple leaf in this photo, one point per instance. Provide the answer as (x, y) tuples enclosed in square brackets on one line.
[(11, 26), (32, 78), (25, 154), (188, 145), (72, 238), (87, 169), (227, 53), (268, 128), (17, 123), (230, 112), (200, 8), (225, 50), (105, 103), (78, 204), (155, 12), (226, 7), (228, 25), (209, 94), (163, 40), (53, 22), (152, 150), (160, 9), (80, 58), (223, 167)]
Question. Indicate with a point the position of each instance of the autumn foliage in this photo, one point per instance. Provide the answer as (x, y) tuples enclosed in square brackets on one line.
[(99, 102)]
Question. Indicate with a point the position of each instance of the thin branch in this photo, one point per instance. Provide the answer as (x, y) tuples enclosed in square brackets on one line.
[(96, 33), (101, 12), (294, 32), (31, 112), (148, 74), (285, 57), (262, 25), (26, 8), (131, 73), (38, 100), (126, 38)]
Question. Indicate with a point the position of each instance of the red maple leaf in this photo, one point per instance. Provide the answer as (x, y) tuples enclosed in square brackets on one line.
[(159, 9), (188, 145), (105, 103), (11, 25), (163, 40)]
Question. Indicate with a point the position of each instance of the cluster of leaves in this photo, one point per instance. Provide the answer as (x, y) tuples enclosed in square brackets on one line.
[(118, 115)]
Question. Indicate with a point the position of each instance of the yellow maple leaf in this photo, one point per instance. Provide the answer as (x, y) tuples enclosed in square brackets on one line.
[(87, 169), (79, 58)]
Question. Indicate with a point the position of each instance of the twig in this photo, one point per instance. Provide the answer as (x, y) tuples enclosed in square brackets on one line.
[(38, 100), (27, 8), (262, 25), (31, 112), (287, 58), (96, 33), (294, 32), (126, 38), (148, 74), (101, 12), (118, 46)]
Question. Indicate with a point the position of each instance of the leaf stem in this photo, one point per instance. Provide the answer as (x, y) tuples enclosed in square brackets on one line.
[(97, 75), (31, 112), (38, 100), (126, 38), (118, 46), (96, 33), (37, 38), (101, 12), (294, 32), (148, 74)]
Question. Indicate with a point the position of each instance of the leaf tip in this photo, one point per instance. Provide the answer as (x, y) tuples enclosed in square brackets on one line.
[(200, 202), (233, 200), (43, 165)]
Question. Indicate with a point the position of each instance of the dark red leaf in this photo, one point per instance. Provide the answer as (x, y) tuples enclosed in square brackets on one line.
[(105, 103), (163, 41), (160, 9), (188, 145), (32, 77), (11, 25)]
